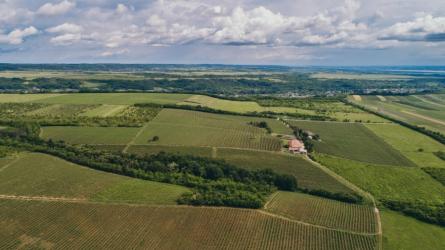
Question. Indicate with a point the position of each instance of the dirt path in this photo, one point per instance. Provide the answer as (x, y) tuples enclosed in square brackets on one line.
[(424, 117), (214, 152), (11, 163), (428, 101), (134, 138)]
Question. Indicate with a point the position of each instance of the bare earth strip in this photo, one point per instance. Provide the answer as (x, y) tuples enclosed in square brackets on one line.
[(424, 117), (381, 98), (134, 138), (427, 101), (357, 98)]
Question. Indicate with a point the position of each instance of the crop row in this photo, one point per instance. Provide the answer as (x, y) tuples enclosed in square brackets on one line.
[(97, 226)]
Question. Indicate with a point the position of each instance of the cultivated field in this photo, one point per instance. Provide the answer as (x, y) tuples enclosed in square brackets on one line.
[(353, 141), (98, 226), (233, 106), (90, 135), (388, 182), (97, 98), (324, 212), (308, 175), (415, 146), (189, 128), (105, 110), (42, 175), (421, 110), (187, 150)]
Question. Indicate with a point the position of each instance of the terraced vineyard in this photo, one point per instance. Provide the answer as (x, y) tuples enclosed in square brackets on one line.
[(90, 135), (353, 141), (190, 128), (43, 175), (308, 175), (323, 212), (99, 226)]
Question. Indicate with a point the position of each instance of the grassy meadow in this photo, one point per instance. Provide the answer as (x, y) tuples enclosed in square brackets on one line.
[(413, 145), (401, 232), (387, 182)]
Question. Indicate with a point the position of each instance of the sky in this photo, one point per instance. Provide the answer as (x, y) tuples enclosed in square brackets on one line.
[(283, 32)]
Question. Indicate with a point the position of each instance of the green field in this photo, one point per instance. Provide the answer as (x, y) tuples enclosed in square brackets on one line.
[(401, 232), (413, 145), (100, 226), (324, 212), (97, 98), (421, 110), (308, 175), (43, 175), (60, 110), (233, 106), (353, 141), (90, 135), (388, 182), (190, 128)]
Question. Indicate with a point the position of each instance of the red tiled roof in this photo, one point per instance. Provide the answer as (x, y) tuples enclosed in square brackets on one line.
[(295, 144)]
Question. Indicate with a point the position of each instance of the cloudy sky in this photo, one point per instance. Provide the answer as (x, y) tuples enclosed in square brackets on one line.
[(288, 32)]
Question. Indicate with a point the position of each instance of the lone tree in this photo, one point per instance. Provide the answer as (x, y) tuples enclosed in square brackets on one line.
[(155, 138)]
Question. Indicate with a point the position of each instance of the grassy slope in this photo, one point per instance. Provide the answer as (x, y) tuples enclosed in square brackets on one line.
[(408, 142), (105, 226), (308, 175), (90, 135), (387, 182), (324, 212), (401, 232), (353, 141), (39, 174), (104, 110), (190, 128)]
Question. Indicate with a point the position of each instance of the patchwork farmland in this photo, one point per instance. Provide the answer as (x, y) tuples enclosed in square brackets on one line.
[(96, 171)]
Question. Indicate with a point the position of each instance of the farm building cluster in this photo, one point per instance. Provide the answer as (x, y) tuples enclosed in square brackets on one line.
[(297, 147)]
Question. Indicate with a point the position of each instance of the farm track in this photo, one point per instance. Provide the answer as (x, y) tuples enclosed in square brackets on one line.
[(427, 101), (424, 117), (134, 138), (85, 201), (11, 163)]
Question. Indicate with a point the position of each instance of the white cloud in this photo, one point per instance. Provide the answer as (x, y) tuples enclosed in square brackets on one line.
[(66, 28), (66, 39), (17, 36), (50, 9), (425, 28), (109, 53)]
